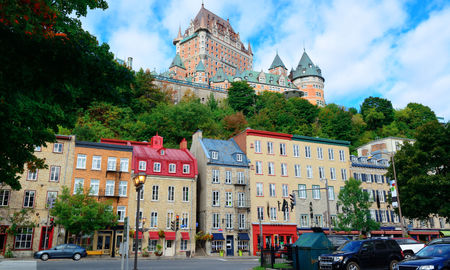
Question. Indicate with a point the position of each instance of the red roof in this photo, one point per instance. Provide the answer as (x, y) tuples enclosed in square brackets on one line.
[(270, 134)]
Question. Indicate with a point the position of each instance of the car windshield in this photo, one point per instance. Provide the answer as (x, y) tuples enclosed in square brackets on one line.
[(435, 251), (351, 246)]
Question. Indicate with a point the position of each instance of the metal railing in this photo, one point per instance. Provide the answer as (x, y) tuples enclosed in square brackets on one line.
[(200, 85)]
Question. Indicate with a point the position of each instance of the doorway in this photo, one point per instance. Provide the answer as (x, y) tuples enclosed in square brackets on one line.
[(169, 251), (104, 241), (46, 238), (2, 243), (230, 245)]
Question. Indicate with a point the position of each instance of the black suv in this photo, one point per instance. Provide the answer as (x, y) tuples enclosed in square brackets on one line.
[(363, 254)]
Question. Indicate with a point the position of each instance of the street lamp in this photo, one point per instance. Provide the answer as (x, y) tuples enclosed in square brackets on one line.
[(328, 206), (139, 180)]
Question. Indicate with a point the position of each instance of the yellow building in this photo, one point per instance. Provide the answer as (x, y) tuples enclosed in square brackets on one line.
[(38, 189)]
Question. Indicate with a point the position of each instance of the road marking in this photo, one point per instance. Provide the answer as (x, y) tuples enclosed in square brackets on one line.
[(18, 265)]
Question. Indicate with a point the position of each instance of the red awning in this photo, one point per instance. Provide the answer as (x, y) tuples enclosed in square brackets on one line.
[(393, 232), (153, 236), (139, 235), (169, 235), (424, 232), (185, 235), (377, 232)]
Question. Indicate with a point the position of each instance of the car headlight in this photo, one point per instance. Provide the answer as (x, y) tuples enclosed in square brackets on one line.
[(426, 267), (338, 258)]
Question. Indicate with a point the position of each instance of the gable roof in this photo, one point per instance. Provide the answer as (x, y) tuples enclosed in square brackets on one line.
[(227, 151), (200, 66), (220, 76)]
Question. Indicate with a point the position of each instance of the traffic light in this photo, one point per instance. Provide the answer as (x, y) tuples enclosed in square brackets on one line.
[(52, 222), (172, 225), (177, 225), (292, 198)]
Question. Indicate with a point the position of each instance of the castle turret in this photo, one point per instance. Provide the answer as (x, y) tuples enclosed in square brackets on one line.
[(200, 73), (278, 66), (177, 67)]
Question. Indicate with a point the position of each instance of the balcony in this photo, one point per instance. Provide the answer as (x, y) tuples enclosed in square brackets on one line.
[(242, 204), (240, 182), (103, 193), (245, 226)]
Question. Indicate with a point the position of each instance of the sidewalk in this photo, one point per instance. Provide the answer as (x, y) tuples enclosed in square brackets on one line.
[(107, 257)]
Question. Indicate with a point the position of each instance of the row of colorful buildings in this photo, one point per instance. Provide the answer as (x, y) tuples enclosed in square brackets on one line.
[(224, 189)]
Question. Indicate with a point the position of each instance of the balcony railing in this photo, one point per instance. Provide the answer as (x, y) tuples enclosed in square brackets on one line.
[(240, 182), (242, 204), (245, 226)]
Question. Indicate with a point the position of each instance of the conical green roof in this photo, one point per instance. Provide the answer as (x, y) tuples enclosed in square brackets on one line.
[(220, 76), (200, 67), (177, 62), (277, 63), (306, 68)]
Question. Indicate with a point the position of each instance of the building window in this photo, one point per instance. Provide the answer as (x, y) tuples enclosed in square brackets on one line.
[(318, 220), (302, 191), (258, 167), (123, 188), (186, 168), (214, 154), (169, 219), (296, 149), (229, 220), (28, 200), (57, 147), (304, 221), (55, 173), (96, 163), (142, 165), (37, 148), (282, 149), (215, 176), (307, 151), (319, 153), (215, 221), (309, 171), (154, 220), (333, 173), (215, 198), (285, 190), (93, 189), (316, 192), (228, 178), (185, 194), (109, 190), (155, 193), (23, 238), (140, 195), (273, 213), (330, 154), (124, 164), (4, 197), (241, 222), (156, 167), (171, 194), (344, 174), (341, 155), (272, 190), (121, 213), (257, 147), (297, 170), (228, 199), (283, 169), (321, 173), (172, 168), (184, 221), (183, 244), (270, 168), (51, 198), (241, 178), (331, 193), (286, 215), (111, 164), (32, 175), (78, 186), (259, 189), (260, 211), (269, 147)]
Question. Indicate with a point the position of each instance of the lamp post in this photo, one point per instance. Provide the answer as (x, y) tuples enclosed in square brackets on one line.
[(139, 180), (328, 207)]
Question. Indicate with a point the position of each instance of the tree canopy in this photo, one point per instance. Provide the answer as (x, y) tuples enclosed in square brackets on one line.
[(241, 97), (377, 112)]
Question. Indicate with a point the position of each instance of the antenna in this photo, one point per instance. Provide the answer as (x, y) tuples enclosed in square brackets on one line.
[(304, 50)]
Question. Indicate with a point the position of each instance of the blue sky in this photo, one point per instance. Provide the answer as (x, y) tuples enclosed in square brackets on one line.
[(396, 49)]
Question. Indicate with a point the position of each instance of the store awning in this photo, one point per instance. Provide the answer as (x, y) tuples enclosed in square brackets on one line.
[(392, 232), (169, 235), (377, 232), (445, 233), (218, 236), (153, 235), (139, 235), (185, 235), (243, 236), (424, 232)]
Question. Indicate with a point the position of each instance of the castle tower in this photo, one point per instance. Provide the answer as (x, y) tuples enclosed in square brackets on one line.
[(278, 66), (308, 78), (177, 68), (200, 73)]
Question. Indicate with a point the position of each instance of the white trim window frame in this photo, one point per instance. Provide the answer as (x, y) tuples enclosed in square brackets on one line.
[(96, 163)]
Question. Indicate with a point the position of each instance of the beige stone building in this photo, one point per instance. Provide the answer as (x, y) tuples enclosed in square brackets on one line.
[(382, 148), (223, 195), (282, 164), (38, 189)]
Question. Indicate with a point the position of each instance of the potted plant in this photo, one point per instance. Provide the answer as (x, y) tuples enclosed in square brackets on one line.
[(145, 252), (158, 251), (221, 252), (161, 234)]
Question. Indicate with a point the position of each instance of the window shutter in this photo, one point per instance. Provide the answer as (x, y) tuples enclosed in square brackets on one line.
[(384, 196), (387, 216), (392, 216), (382, 179), (376, 215)]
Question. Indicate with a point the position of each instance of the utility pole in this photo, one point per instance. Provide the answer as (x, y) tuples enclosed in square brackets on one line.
[(330, 232), (398, 197), (261, 244)]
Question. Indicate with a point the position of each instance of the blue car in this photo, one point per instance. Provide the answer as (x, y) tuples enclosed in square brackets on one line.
[(435, 257), (70, 251)]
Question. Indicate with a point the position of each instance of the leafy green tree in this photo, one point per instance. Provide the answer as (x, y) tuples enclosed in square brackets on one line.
[(50, 68), (81, 213), (212, 102), (423, 173), (145, 94), (20, 219), (241, 97), (355, 204), (377, 112), (335, 122)]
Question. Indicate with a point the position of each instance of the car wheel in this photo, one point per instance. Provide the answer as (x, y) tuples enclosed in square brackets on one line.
[(77, 256), (44, 257), (408, 255), (393, 264), (353, 266)]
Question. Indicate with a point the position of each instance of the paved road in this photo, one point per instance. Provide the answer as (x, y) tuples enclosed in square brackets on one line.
[(107, 264)]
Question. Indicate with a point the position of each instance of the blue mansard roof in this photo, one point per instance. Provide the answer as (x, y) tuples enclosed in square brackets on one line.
[(227, 152)]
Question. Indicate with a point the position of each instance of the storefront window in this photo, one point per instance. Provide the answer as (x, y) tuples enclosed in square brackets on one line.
[(217, 245)]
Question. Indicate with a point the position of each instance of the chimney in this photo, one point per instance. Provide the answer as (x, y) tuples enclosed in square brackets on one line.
[(156, 142), (130, 62), (183, 144)]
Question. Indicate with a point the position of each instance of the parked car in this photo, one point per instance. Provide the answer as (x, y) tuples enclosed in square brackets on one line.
[(363, 254), (337, 240), (443, 240), (434, 257), (70, 251), (409, 246)]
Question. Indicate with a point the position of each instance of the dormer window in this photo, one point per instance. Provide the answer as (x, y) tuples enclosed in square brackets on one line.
[(157, 167), (214, 155), (239, 157), (162, 152)]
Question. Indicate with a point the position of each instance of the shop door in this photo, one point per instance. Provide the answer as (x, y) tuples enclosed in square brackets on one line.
[(104, 242), (119, 239), (230, 245), (2, 243), (169, 250), (46, 238)]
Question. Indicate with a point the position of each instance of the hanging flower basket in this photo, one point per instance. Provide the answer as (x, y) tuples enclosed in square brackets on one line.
[(161, 234)]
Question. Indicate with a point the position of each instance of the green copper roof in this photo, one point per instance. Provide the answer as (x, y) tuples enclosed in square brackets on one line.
[(306, 68), (177, 62), (220, 76), (277, 63), (271, 79), (320, 140), (200, 66)]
